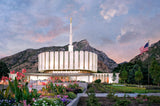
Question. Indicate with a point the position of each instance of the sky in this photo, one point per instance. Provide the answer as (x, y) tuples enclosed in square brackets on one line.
[(117, 27)]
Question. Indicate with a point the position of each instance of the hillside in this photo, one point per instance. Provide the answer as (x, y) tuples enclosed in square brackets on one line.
[(153, 52), (29, 58)]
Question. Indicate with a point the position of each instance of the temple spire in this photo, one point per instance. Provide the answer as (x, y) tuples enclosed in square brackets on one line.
[(70, 47)]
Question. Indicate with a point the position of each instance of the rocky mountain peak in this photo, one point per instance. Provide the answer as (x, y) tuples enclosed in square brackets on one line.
[(153, 52), (29, 58)]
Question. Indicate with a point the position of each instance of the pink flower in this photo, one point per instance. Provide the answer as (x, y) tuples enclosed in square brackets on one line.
[(24, 103), (66, 96), (30, 86), (134, 97), (144, 99), (24, 71), (34, 99), (40, 96)]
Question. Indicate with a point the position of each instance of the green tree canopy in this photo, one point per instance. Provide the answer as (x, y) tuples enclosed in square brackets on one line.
[(3, 69), (154, 70), (138, 75), (124, 75), (114, 76)]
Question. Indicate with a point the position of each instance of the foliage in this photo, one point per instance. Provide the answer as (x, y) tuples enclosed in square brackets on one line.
[(92, 100), (73, 86), (60, 89), (21, 92), (154, 99), (48, 102), (3, 69), (98, 81), (131, 74), (71, 95), (123, 102), (114, 76), (6, 99), (155, 71), (138, 75), (124, 75)]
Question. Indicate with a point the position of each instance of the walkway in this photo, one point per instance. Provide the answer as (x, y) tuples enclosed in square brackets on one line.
[(121, 94)]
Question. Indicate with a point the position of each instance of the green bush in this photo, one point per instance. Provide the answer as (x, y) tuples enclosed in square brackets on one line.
[(123, 102), (73, 86), (92, 100), (97, 81), (71, 95), (154, 99)]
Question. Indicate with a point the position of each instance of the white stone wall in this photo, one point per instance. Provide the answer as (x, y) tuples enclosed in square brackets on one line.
[(64, 61)]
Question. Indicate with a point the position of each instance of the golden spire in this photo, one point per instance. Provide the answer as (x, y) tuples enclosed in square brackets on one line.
[(70, 20)]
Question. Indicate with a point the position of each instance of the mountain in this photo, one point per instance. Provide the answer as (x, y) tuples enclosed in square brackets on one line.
[(28, 59), (146, 57)]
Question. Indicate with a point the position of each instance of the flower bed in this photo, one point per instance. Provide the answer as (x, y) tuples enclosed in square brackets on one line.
[(19, 92)]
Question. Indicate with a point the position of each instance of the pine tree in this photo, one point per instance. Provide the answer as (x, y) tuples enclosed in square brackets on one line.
[(3, 69), (138, 75), (154, 70)]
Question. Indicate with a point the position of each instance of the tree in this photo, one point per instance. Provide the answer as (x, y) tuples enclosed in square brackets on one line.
[(138, 75), (114, 77), (154, 70), (131, 74), (3, 69), (124, 75)]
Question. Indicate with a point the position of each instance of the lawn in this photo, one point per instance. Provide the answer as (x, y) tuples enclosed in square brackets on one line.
[(106, 88)]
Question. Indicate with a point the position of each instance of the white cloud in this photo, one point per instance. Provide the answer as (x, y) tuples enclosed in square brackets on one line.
[(112, 8)]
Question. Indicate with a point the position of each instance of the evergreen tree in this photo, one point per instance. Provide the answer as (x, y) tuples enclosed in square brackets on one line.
[(114, 77), (124, 75), (138, 75), (131, 74), (3, 69), (154, 70)]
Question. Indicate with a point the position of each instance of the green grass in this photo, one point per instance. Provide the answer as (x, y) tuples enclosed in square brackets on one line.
[(125, 89)]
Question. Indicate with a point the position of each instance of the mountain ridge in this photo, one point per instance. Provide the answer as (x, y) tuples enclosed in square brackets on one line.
[(29, 58)]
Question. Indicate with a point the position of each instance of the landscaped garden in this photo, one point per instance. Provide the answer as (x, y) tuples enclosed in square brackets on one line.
[(19, 92), (57, 92), (113, 100), (119, 88)]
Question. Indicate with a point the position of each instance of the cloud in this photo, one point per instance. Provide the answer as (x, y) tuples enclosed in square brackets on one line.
[(112, 8), (140, 28)]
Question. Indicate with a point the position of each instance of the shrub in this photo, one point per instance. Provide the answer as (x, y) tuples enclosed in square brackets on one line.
[(92, 100), (154, 99), (71, 95), (73, 86), (123, 102), (97, 81)]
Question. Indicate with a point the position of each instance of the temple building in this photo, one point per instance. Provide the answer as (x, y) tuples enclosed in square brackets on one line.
[(70, 65)]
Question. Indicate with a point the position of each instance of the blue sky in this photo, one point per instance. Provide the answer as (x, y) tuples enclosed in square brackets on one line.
[(117, 27)]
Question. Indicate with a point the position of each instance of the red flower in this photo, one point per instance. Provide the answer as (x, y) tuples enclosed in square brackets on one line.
[(12, 72), (10, 79), (19, 86), (43, 83), (31, 86), (18, 78), (51, 78), (4, 78), (24, 71)]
